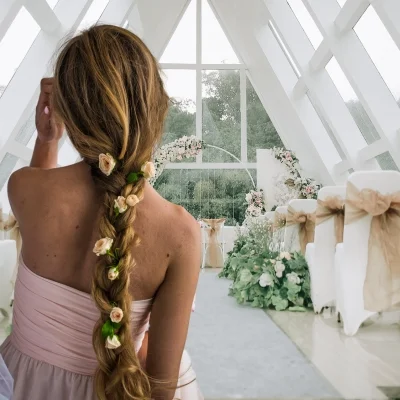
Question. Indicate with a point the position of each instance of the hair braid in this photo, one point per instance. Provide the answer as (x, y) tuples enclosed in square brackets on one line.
[(109, 93)]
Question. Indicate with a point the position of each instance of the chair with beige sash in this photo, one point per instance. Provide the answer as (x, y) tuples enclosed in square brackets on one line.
[(270, 215), (300, 224), (10, 249), (367, 267), (320, 255), (214, 243), (279, 227)]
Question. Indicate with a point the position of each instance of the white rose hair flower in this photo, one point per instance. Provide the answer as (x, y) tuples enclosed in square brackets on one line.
[(120, 204), (102, 246), (116, 315), (148, 170), (113, 273), (132, 200), (112, 342), (107, 163)]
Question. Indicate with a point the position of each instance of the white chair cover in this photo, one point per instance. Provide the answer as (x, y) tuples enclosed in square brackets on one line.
[(270, 215), (352, 256), (214, 243), (292, 238), (320, 255)]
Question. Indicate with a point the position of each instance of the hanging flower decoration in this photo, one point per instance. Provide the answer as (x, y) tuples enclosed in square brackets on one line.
[(255, 203)]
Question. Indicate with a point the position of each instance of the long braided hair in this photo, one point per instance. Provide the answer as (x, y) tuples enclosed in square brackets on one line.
[(109, 93)]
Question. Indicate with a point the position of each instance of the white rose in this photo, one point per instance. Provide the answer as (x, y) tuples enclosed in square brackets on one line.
[(113, 274), (279, 268), (293, 278), (273, 262), (148, 170), (265, 280), (120, 204), (107, 163), (248, 197), (102, 246), (132, 200), (112, 342), (116, 315), (286, 255)]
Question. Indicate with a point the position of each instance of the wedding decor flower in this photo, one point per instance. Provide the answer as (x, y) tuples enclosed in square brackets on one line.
[(306, 188), (120, 204), (263, 277), (255, 203), (116, 314), (179, 149)]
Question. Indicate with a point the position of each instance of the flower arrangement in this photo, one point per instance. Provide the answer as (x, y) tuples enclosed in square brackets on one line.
[(255, 203), (306, 188), (184, 147)]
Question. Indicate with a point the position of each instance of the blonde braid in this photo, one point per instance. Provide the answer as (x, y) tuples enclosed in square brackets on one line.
[(109, 93)]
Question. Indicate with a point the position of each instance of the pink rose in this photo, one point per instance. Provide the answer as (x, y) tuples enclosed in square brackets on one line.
[(116, 315)]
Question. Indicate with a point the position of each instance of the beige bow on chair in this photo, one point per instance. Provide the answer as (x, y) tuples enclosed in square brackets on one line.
[(306, 224), (382, 282), (279, 221), (332, 207), (214, 257)]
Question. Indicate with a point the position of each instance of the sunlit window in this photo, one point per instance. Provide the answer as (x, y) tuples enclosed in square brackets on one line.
[(353, 103), (15, 44), (381, 48), (386, 162), (306, 21)]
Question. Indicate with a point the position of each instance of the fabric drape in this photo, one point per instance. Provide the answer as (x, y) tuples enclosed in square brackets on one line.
[(332, 207), (306, 223), (214, 256), (382, 282)]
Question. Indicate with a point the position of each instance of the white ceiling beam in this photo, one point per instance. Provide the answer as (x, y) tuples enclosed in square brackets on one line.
[(20, 151), (362, 74), (8, 11), (43, 15), (135, 22), (300, 89), (389, 12), (117, 12), (321, 56), (373, 150), (349, 15)]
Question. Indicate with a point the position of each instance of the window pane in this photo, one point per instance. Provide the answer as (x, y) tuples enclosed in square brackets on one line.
[(353, 103), (221, 114), (386, 162), (215, 46), (181, 120), (381, 48), (15, 44), (93, 14), (52, 3), (306, 21), (327, 127), (208, 193), (261, 133), (182, 46)]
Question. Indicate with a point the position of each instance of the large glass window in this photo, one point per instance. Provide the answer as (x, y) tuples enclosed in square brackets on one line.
[(381, 48), (15, 44), (207, 193), (306, 21), (221, 114), (386, 162), (353, 103)]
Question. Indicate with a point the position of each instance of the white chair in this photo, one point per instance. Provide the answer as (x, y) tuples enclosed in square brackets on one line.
[(320, 255), (292, 237), (8, 259), (279, 228), (351, 258)]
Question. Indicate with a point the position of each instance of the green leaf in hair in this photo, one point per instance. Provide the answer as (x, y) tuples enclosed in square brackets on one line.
[(107, 329)]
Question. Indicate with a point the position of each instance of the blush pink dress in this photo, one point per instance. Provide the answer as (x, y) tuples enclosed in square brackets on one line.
[(49, 352)]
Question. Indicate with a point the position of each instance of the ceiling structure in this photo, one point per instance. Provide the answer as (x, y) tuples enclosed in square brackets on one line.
[(327, 72)]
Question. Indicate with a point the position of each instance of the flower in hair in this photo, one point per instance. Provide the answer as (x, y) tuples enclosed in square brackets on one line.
[(112, 342), (102, 246), (120, 204), (148, 170), (107, 163), (113, 273), (132, 200), (116, 315)]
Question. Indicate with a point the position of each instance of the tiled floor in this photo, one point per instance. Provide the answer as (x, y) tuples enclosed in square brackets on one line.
[(366, 366)]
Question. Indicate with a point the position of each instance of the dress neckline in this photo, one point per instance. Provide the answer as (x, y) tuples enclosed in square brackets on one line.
[(66, 287)]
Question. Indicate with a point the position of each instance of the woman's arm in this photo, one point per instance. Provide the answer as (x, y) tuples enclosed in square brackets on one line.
[(172, 308), (45, 153)]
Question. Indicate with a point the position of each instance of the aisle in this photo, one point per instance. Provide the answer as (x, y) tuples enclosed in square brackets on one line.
[(238, 352)]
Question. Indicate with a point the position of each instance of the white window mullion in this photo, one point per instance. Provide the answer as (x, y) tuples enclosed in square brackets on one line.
[(199, 95), (243, 115)]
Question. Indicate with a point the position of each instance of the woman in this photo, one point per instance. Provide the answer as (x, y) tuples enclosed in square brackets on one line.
[(99, 228)]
